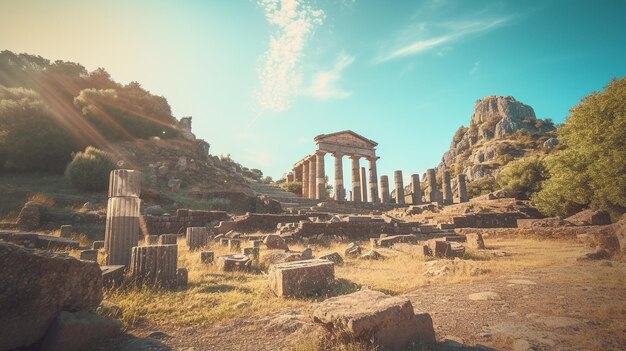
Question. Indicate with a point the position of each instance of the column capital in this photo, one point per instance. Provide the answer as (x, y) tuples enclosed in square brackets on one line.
[(372, 158), (320, 153), (338, 154), (354, 157)]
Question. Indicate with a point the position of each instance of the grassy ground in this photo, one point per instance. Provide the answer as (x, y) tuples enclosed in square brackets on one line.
[(213, 296)]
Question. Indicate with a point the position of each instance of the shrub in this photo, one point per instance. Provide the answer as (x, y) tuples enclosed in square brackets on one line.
[(294, 187), (482, 186), (42, 199), (523, 176), (89, 170)]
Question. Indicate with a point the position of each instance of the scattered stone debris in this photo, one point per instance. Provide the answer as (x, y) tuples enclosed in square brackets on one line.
[(374, 317), (333, 257)]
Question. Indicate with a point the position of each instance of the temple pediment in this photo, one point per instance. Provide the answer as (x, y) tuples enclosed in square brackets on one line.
[(346, 138)]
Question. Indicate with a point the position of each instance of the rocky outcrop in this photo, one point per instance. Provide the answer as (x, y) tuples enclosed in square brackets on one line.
[(36, 287), (493, 137)]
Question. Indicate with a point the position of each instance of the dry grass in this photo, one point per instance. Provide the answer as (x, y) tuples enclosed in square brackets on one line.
[(42, 199), (213, 296)]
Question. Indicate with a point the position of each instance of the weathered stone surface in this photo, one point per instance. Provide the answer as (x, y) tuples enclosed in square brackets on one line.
[(443, 249), (274, 241), (151, 239), (372, 316), (371, 255), (155, 264), (29, 216), (112, 276), (307, 253), (197, 237), (234, 244), (71, 331), (36, 286), (475, 240), (352, 250), (182, 277), (97, 245), (281, 257), (207, 257), (542, 222), (301, 278), (89, 255), (124, 183), (590, 217), (39, 241), (66, 230), (333, 257), (388, 241), (168, 239), (231, 263)]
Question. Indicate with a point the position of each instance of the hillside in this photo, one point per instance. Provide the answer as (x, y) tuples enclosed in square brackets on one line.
[(501, 129)]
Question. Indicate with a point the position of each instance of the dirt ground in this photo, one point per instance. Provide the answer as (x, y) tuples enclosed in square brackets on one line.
[(555, 303)]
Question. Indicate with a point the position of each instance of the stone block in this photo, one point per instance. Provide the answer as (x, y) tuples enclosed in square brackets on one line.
[(155, 264), (234, 244), (274, 241), (97, 245), (475, 241), (256, 243), (374, 317), (89, 255), (301, 278), (352, 250), (333, 257), (388, 241), (207, 257), (232, 263), (151, 240), (112, 276), (182, 277), (66, 231), (168, 239), (197, 237), (73, 331)]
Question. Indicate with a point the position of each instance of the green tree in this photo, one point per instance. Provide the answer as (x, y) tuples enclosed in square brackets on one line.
[(590, 170), (482, 186), (523, 176), (89, 170)]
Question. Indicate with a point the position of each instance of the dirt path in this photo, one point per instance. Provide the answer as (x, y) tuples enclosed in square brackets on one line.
[(569, 305)]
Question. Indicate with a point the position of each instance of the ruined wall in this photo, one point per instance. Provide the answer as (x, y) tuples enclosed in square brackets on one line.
[(488, 220), (178, 223), (259, 222)]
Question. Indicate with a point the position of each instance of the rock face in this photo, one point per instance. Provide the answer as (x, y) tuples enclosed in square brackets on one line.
[(372, 316), (36, 286), (490, 141)]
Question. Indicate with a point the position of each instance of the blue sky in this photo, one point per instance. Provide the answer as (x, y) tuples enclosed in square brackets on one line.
[(263, 78)]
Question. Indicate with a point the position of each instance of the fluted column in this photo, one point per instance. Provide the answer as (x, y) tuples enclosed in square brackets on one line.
[(339, 189), (397, 178), (305, 179), (122, 223), (447, 188), (373, 181), (312, 177), (321, 176), (384, 189), (363, 185), (416, 190), (462, 188), (432, 185), (356, 179)]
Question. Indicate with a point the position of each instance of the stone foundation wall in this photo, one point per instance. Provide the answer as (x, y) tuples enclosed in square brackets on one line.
[(254, 222), (360, 230), (178, 223), (487, 220)]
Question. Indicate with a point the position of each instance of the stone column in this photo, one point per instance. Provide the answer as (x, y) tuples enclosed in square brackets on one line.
[(321, 176), (384, 189), (373, 179), (121, 231), (397, 178), (432, 185), (462, 187), (416, 190), (447, 188), (363, 185), (305, 178), (339, 189), (356, 179), (297, 173), (312, 177)]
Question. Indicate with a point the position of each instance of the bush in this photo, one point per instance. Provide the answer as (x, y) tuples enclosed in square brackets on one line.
[(482, 186), (89, 170), (523, 176), (294, 187)]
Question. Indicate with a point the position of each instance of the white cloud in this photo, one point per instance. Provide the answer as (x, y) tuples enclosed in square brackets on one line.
[(279, 76), (453, 30), (324, 83), (474, 67)]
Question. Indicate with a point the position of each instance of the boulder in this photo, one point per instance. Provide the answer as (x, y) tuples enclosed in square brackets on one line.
[(333, 257), (475, 241), (371, 255), (29, 216), (36, 287), (590, 217), (352, 250), (372, 316), (274, 241), (72, 331)]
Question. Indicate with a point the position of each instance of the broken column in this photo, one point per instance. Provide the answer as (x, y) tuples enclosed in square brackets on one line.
[(373, 181), (397, 177), (122, 223), (197, 237), (416, 190), (384, 189), (363, 185), (462, 188), (155, 264), (339, 189), (356, 179), (432, 185), (447, 188), (321, 176)]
